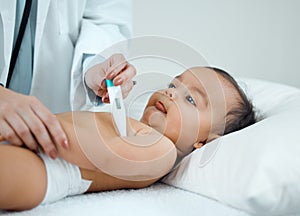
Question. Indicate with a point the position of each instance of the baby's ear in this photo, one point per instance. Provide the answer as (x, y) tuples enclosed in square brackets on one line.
[(212, 137), (198, 145)]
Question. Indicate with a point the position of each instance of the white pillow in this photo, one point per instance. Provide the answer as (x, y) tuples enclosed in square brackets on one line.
[(256, 169)]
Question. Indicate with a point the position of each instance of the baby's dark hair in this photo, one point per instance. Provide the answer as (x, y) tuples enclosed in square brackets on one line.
[(242, 115)]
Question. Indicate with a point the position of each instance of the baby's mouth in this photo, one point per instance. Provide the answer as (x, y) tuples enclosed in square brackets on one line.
[(161, 107)]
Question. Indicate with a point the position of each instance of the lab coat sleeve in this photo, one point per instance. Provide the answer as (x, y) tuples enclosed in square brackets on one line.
[(104, 23)]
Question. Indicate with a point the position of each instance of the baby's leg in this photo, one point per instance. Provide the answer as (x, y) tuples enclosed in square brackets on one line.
[(23, 178)]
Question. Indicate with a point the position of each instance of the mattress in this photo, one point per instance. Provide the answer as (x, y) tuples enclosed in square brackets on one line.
[(158, 199)]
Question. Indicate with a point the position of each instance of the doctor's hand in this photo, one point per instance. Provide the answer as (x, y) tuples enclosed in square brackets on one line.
[(25, 120), (115, 67)]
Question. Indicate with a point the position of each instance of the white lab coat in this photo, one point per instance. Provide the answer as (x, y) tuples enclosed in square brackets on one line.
[(65, 30)]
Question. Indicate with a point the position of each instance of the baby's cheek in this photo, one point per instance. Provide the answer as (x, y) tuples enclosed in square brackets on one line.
[(189, 126)]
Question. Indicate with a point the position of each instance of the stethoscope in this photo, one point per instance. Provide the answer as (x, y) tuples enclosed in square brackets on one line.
[(18, 43)]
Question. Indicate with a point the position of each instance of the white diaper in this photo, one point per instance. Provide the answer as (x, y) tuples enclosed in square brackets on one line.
[(63, 179)]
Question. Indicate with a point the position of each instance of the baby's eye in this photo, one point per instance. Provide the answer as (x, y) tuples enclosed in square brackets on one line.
[(190, 100), (171, 85)]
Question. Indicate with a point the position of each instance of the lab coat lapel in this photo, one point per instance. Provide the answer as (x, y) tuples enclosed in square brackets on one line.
[(7, 23), (42, 11)]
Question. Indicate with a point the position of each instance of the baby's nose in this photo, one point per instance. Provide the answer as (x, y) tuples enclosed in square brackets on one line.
[(171, 92)]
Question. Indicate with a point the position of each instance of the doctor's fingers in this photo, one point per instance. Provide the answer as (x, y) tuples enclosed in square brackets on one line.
[(125, 76), (22, 130), (40, 132), (117, 63), (127, 87), (52, 130), (8, 133)]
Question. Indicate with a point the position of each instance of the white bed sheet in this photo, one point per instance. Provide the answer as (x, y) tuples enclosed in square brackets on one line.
[(158, 199)]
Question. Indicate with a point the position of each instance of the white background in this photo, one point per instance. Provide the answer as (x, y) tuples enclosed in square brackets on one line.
[(257, 38)]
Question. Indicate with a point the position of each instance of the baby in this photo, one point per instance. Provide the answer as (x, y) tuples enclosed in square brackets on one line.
[(198, 106)]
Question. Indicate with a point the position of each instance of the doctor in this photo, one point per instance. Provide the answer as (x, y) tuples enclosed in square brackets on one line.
[(43, 48)]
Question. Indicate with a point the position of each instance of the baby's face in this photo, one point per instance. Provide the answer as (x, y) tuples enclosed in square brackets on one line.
[(192, 110)]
